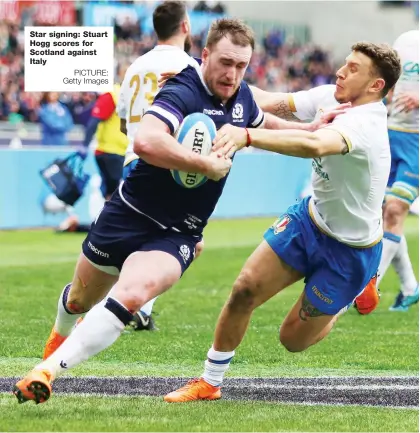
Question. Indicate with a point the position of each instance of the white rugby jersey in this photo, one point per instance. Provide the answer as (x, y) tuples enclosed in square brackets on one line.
[(140, 85), (407, 46), (348, 189)]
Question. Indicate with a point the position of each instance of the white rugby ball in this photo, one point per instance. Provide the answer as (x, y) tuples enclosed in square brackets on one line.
[(196, 133)]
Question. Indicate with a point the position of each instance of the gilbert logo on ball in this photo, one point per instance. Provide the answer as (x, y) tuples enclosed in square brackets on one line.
[(196, 133)]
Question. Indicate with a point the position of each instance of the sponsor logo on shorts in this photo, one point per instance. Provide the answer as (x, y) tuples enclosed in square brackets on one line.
[(185, 253), (281, 224), (98, 252), (321, 296)]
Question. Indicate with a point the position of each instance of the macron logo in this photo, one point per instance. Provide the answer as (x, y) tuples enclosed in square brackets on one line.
[(213, 112), (98, 252)]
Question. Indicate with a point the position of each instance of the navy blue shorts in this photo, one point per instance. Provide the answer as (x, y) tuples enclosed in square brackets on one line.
[(120, 231), (335, 273)]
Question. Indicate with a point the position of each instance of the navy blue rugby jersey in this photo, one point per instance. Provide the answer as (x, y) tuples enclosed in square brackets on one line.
[(151, 190)]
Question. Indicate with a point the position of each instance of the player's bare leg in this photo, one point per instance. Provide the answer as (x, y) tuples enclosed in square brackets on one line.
[(89, 286), (143, 318), (144, 276), (263, 276), (305, 325)]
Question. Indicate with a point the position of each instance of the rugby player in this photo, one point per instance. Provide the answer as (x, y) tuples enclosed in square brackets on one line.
[(140, 86), (333, 239), (142, 245), (403, 182)]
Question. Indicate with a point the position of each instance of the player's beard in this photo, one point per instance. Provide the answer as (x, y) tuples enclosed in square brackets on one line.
[(188, 44)]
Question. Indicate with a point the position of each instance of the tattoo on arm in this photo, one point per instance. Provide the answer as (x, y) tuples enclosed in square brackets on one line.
[(308, 310), (345, 149), (282, 109)]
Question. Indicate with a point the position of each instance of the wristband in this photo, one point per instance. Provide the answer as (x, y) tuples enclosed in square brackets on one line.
[(248, 138)]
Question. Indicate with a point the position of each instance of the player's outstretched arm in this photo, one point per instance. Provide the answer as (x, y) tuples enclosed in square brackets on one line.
[(155, 145), (277, 103), (303, 144)]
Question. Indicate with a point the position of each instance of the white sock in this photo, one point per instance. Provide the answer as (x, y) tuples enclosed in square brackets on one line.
[(216, 365), (65, 321), (404, 269), (147, 308), (99, 330), (391, 243)]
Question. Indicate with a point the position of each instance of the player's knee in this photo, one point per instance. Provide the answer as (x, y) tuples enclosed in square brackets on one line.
[(289, 341), (133, 295), (76, 304), (244, 292), (394, 212)]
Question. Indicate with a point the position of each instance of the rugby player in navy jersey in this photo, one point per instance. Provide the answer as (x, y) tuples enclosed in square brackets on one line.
[(144, 239)]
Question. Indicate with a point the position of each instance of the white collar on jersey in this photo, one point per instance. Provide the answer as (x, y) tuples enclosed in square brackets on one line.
[(200, 74)]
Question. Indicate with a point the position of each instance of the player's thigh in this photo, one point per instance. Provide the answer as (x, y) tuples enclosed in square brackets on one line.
[(340, 276), (263, 275), (303, 324), (282, 258), (145, 275), (89, 286), (157, 265)]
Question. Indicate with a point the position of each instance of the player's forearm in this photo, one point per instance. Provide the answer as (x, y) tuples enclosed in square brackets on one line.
[(280, 104), (303, 144), (274, 122), (162, 150)]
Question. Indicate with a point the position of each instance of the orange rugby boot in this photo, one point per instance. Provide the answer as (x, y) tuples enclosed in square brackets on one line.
[(195, 389), (55, 340), (368, 300), (34, 386)]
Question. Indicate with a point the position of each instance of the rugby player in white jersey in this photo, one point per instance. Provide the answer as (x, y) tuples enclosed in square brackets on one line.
[(140, 86), (403, 183), (333, 239)]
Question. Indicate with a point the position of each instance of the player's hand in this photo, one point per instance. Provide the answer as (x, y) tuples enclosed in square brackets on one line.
[(407, 102), (329, 116), (217, 167), (229, 139), (198, 249), (164, 77)]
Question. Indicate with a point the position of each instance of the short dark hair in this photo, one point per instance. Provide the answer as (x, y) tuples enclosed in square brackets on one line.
[(167, 18), (385, 59), (240, 33)]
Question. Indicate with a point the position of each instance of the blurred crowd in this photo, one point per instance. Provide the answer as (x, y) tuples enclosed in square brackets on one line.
[(278, 64)]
